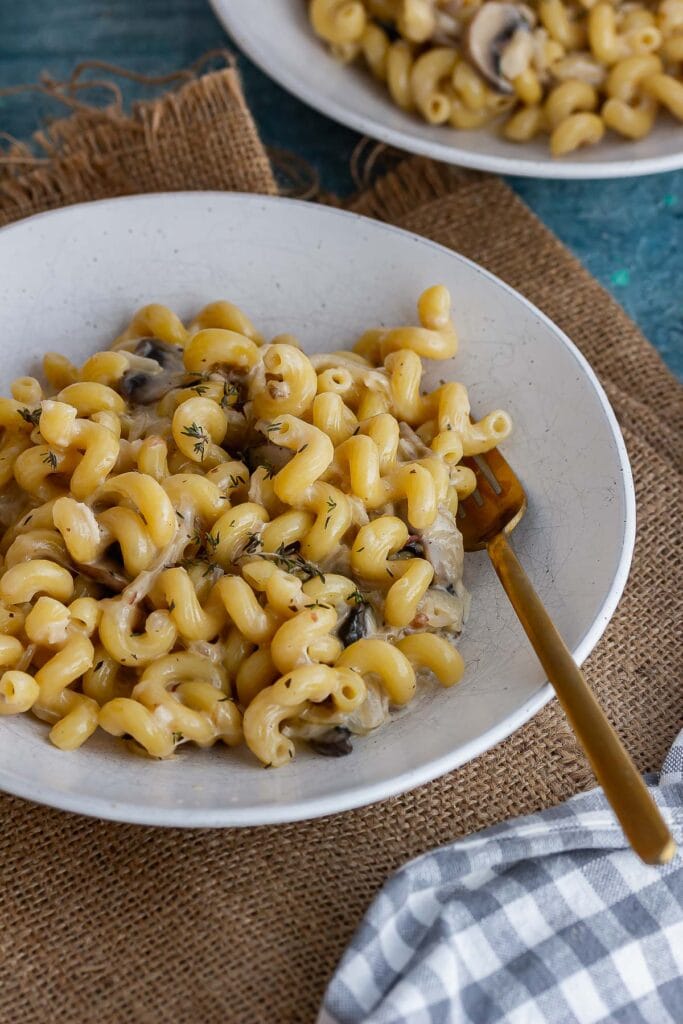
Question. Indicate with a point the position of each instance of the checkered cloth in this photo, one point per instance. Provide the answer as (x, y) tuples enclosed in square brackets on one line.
[(549, 918)]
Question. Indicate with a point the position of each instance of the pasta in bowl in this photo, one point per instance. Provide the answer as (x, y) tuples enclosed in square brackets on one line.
[(322, 276), (570, 71), (210, 537)]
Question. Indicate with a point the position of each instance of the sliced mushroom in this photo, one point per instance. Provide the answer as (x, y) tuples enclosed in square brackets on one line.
[(169, 357), (499, 43), (333, 743), (442, 544), (146, 383), (358, 624), (105, 572), (444, 610), (412, 549), (143, 388)]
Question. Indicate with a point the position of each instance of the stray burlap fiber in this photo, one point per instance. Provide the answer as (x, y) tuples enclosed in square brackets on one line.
[(109, 924)]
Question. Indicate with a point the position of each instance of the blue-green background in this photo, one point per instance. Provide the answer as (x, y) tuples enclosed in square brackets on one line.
[(628, 233)]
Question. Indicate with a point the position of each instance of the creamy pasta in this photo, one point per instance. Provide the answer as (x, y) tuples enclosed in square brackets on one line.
[(209, 537), (568, 69)]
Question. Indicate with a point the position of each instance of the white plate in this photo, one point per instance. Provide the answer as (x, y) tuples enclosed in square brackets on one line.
[(277, 37), (70, 279)]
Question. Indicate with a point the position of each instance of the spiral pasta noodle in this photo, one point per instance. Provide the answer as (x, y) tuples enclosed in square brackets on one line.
[(567, 69), (208, 537)]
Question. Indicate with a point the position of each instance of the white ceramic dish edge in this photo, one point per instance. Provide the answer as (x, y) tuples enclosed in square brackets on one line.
[(527, 167), (367, 794)]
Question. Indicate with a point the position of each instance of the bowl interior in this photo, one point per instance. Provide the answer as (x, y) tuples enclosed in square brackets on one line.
[(70, 279), (277, 37)]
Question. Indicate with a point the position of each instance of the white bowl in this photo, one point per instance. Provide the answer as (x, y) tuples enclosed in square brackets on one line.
[(277, 36), (70, 279)]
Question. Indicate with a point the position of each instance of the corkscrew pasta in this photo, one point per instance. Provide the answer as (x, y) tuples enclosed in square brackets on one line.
[(567, 69), (207, 537)]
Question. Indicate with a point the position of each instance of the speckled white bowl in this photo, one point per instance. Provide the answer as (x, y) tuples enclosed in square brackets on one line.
[(70, 279), (277, 36)]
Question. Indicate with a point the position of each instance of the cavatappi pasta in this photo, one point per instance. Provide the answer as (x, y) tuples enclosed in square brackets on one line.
[(209, 537), (568, 69)]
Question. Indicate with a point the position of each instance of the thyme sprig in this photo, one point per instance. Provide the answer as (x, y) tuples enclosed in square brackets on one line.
[(30, 415), (253, 544), (293, 563), (194, 430), (331, 505)]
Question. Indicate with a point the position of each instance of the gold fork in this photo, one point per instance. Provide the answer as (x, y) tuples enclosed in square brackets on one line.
[(485, 519)]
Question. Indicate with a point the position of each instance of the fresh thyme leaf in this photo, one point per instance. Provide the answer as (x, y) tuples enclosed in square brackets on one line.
[(50, 459), (273, 426), (171, 606), (331, 505), (390, 573), (201, 389), (302, 449), (253, 544), (317, 604), (178, 737), (30, 415), (357, 597), (293, 563), (213, 540), (235, 481), (194, 430)]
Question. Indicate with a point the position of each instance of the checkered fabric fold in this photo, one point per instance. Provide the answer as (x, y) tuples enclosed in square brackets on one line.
[(549, 918)]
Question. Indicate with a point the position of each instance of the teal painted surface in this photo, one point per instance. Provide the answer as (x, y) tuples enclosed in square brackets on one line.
[(628, 233)]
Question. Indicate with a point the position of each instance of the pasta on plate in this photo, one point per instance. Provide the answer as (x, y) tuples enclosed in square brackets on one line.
[(209, 537), (569, 69)]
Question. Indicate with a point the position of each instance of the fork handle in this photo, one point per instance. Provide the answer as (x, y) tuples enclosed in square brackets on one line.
[(627, 793)]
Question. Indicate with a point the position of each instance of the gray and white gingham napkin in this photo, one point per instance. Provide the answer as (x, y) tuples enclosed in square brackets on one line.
[(548, 918)]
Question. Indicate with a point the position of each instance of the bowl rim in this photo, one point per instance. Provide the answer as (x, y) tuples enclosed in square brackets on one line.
[(524, 167), (364, 794)]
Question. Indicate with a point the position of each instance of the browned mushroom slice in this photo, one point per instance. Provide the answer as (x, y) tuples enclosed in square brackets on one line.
[(499, 43), (106, 573), (169, 357), (442, 546), (333, 743)]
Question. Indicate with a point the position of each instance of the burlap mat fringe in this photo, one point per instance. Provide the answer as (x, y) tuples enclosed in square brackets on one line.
[(100, 151)]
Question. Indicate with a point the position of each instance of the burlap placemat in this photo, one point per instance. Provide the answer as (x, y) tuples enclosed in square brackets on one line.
[(113, 924)]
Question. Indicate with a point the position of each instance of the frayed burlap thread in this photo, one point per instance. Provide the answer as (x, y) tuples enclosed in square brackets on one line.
[(198, 136), (117, 924)]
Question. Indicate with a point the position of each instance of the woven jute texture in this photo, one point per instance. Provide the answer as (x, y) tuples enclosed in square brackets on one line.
[(111, 924)]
